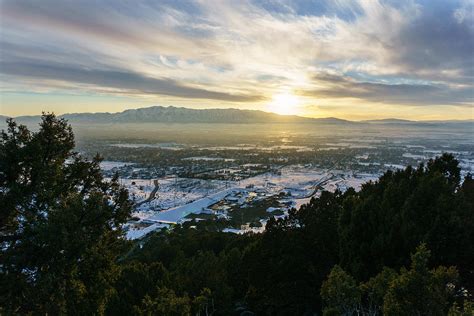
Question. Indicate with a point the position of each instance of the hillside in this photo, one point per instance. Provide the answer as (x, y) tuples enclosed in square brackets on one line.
[(171, 114)]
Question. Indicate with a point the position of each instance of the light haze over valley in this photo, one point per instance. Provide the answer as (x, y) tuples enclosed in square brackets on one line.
[(257, 157)]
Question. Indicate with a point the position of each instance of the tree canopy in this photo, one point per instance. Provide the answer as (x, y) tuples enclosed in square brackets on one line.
[(402, 245), (60, 223)]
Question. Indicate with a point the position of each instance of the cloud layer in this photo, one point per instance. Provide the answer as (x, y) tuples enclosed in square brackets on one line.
[(239, 53)]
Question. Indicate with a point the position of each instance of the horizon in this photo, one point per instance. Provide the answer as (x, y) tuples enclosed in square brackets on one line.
[(353, 60), (233, 108), (255, 157)]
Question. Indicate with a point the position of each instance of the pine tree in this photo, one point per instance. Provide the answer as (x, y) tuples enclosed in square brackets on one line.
[(60, 223)]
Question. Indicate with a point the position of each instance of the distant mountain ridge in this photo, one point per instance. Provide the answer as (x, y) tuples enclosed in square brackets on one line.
[(389, 121), (171, 114)]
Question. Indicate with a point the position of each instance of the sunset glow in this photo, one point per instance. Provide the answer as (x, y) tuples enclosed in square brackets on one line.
[(284, 103), (350, 59)]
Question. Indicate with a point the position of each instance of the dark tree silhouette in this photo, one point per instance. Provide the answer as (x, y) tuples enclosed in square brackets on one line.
[(60, 223)]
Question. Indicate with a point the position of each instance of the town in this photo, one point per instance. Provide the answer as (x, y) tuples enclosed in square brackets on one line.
[(238, 188)]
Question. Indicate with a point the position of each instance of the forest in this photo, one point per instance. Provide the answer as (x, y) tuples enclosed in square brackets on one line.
[(403, 245)]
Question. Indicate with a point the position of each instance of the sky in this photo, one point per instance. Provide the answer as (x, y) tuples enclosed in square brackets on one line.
[(365, 59)]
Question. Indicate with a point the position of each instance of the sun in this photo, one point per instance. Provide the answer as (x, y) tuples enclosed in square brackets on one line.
[(284, 104)]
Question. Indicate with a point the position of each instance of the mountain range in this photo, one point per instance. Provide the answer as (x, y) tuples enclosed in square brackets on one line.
[(171, 114)]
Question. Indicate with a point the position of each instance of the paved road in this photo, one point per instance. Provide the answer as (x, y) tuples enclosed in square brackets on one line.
[(151, 197)]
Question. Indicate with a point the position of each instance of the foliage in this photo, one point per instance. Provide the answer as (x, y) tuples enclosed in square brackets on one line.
[(466, 310), (374, 290), (416, 291), (380, 225), (60, 224), (63, 252), (420, 291), (165, 302), (340, 292)]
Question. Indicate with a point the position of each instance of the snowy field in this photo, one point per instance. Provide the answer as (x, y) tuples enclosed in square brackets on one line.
[(164, 201), (109, 165), (178, 197), (168, 146), (172, 192)]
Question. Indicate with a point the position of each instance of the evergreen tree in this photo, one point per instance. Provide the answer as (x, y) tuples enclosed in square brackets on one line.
[(414, 291), (380, 225), (374, 290), (60, 223), (165, 302), (420, 291), (340, 293), (62, 250)]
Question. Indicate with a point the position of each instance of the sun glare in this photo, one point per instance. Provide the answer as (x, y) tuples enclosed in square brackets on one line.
[(284, 103)]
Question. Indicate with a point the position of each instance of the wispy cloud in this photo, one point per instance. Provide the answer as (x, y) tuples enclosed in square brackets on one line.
[(411, 52), (335, 86), (118, 80)]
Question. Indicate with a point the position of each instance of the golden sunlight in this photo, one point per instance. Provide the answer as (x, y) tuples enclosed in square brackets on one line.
[(284, 104)]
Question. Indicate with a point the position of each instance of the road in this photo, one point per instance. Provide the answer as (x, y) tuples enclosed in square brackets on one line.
[(151, 197)]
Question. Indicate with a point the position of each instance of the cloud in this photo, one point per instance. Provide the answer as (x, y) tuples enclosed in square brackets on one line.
[(119, 80), (437, 39), (336, 86), (397, 52)]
